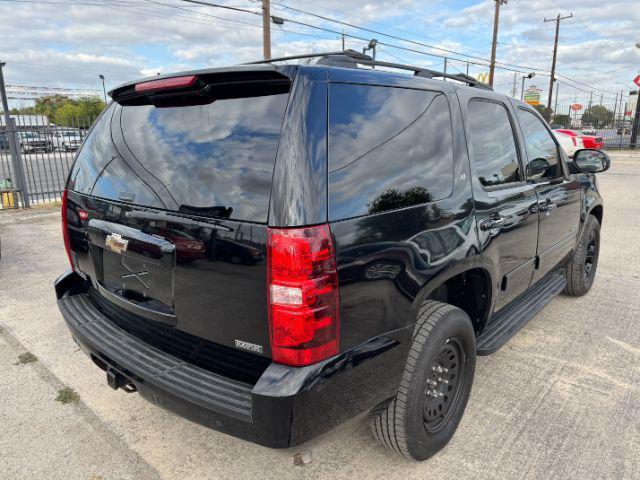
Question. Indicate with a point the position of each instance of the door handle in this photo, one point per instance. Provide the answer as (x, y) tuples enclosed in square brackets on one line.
[(491, 223)]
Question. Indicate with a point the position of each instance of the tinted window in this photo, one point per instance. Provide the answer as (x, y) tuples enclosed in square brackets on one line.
[(495, 155), (96, 152), (544, 160), (213, 160), (388, 148)]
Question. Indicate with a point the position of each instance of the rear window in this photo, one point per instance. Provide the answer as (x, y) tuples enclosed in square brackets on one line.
[(212, 160), (389, 148)]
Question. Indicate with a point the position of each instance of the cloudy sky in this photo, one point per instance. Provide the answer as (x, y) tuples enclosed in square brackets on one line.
[(66, 43)]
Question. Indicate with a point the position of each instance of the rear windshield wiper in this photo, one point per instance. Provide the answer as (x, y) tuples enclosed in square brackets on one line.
[(177, 219)]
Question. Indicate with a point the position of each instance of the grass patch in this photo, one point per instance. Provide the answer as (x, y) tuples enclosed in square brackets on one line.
[(67, 395), (25, 358)]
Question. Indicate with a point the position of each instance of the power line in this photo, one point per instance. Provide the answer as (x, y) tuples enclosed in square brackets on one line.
[(370, 30), (501, 65), (406, 40)]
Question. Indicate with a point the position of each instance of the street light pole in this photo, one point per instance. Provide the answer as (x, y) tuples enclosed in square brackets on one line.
[(104, 90), (529, 76), (372, 46)]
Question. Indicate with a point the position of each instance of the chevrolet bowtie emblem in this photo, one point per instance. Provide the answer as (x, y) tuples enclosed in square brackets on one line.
[(116, 243)]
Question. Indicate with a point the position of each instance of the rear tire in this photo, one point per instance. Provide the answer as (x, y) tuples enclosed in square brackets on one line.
[(581, 270), (423, 416)]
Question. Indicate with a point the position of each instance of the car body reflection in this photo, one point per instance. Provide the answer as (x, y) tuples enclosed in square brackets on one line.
[(188, 248)]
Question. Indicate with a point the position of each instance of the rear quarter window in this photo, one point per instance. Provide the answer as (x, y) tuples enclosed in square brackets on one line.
[(389, 148)]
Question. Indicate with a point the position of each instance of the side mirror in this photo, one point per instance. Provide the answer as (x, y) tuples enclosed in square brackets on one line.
[(589, 160), (537, 167)]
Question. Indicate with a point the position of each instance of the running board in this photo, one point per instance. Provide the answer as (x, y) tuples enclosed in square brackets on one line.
[(516, 315)]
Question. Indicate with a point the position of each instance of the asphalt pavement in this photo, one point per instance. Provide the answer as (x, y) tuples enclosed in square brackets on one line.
[(560, 400)]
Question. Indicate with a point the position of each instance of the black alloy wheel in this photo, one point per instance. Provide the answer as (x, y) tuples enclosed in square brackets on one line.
[(443, 385)]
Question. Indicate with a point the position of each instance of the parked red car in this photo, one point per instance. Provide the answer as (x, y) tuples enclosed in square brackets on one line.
[(590, 141)]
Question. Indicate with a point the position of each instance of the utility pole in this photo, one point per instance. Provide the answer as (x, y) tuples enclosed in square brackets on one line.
[(635, 128), (14, 144), (343, 40), (496, 21), (590, 116), (621, 109), (636, 118), (513, 90), (558, 19), (445, 68), (467, 67), (266, 30)]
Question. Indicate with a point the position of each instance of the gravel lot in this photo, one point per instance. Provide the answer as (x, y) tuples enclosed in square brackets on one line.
[(561, 400)]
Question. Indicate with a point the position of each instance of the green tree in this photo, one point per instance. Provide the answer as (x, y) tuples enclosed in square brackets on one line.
[(597, 115), (65, 111), (85, 110)]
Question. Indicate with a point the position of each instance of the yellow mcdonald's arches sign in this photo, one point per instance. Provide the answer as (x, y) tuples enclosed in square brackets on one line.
[(483, 77)]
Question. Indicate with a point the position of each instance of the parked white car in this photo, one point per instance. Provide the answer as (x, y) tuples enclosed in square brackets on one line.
[(568, 143), (67, 140)]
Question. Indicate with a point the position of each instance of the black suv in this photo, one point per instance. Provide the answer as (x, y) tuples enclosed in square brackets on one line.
[(270, 250)]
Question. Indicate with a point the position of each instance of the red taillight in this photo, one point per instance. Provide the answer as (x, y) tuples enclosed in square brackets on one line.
[(65, 227), (167, 83), (304, 304)]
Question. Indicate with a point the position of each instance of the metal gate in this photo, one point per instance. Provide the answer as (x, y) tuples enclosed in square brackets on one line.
[(45, 153)]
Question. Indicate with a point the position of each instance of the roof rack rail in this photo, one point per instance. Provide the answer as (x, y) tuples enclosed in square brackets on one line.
[(352, 58)]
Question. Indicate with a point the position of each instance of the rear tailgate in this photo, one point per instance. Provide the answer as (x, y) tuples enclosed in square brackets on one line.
[(168, 203)]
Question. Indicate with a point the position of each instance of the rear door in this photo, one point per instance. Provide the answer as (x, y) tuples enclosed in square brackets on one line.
[(505, 203), (175, 193), (558, 195)]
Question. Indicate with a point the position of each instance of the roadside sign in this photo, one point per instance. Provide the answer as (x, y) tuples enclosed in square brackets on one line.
[(576, 107), (637, 80), (532, 95)]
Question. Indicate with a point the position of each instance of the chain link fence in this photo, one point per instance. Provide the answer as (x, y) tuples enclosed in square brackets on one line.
[(45, 153)]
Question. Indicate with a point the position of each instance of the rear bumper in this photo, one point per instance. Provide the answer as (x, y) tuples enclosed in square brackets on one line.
[(287, 406)]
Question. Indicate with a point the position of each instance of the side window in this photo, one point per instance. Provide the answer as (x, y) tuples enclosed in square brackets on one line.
[(495, 154), (389, 148), (544, 160)]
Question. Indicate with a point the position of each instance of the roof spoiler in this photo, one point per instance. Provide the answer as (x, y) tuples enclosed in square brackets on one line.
[(199, 84)]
